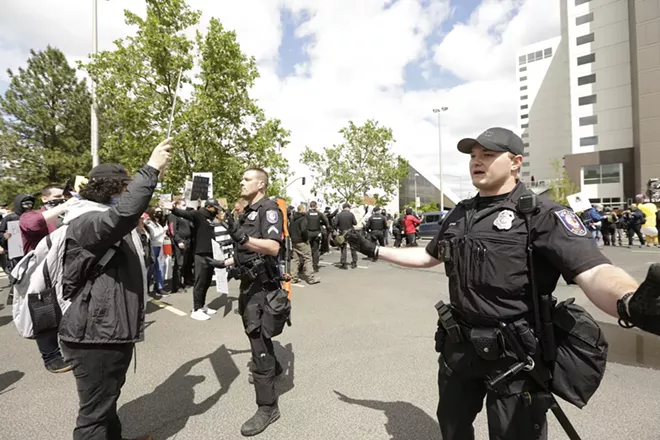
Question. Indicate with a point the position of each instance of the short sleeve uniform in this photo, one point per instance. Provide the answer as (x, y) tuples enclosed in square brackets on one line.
[(262, 220), (488, 265)]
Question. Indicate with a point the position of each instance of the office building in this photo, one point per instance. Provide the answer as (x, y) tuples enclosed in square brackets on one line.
[(544, 107), (427, 191), (613, 75)]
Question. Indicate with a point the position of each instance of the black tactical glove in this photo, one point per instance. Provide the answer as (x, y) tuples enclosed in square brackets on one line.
[(361, 243), (644, 305), (233, 229), (218, 264)]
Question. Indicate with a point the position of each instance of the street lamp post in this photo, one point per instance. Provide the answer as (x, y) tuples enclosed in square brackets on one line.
[(416, 206), (442, 194), (94, 121)]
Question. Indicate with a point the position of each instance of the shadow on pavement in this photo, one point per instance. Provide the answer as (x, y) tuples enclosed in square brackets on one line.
[(9, 378), (225, 301), (165, 412), (404, 420), (151, 307), (4, 320)]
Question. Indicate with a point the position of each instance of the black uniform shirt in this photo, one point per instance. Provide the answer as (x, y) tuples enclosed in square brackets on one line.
[(488, 274), (345, 220), (377, 223), (263, 219)]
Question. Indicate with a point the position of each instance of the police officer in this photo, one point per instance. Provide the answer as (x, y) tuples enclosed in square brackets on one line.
[(376, 227), (483, 244), (258, 235), (344, 222), (315, 220)]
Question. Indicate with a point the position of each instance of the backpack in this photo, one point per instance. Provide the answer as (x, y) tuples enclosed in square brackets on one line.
[(36, 283)]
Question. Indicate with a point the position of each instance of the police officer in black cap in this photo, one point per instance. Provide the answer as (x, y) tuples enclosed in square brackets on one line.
[(262, 302), (376, 226), (504, 251), (345, 221), (315, 221)]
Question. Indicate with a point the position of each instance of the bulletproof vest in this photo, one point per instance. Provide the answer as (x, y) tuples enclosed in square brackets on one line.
[(313, 220), (377, 223)]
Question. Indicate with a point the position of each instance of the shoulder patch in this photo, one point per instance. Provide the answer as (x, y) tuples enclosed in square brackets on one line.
[(571, 222), (272, 216)]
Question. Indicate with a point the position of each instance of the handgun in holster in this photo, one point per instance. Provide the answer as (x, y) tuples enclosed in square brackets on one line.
[(449, 323)]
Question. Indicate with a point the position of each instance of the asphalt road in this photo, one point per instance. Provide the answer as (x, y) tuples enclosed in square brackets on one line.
[(359, 364)]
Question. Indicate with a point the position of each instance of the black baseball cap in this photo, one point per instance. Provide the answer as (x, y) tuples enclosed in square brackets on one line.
[(109, 171), (212, 202), (494, 139)]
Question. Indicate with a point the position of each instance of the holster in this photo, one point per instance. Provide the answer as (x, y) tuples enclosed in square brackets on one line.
[(449, 323), (488, 342)]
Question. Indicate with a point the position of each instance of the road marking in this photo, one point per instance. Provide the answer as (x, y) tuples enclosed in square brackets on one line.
[(363, 267), (646, 252), (168, 307), (324, 263), (298, 285), (332, 264)]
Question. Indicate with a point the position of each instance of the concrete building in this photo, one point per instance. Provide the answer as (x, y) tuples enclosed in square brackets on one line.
[(611, 67), (544, 107), (428, 191)]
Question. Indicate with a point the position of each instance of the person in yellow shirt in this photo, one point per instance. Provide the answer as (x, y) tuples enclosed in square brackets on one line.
[(649, 229)]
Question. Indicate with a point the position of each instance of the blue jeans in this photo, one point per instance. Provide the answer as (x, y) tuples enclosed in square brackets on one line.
[(49, 347), (158, 269)]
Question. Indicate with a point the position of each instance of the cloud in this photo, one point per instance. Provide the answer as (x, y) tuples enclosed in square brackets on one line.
[(356, 54)]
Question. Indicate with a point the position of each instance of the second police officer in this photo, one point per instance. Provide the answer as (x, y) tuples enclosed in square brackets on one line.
[(493, 316), (263, 304), (376, 227), (315, 220)]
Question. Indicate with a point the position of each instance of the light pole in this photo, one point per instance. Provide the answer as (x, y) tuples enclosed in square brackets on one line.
[(416, 206), (442, 194), (95, 121)]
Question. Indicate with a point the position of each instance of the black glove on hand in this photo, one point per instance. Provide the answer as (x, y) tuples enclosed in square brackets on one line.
[(218, 264), (233, 228), (361, 243), (644, 305)]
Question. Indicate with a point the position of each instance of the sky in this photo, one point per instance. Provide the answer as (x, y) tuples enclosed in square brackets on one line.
[(325, 62)]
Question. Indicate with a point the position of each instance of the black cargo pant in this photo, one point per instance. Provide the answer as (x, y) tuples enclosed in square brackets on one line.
[(517, 410), (343, 247), (315, 238), (378, 237), (100, 372), (264, 363), (203, 278)]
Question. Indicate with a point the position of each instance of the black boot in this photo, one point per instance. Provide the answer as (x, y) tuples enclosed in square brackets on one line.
[(258, 423)]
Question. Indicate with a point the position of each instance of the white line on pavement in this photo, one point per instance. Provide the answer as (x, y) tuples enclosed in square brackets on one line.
[(332, 264), (298, 285), (646, 252), (168, 307)]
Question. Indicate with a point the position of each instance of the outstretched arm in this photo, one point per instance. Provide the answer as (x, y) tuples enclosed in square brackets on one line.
[(604, 285)]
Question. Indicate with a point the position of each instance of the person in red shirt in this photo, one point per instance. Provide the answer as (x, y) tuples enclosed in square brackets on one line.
[(410, 223), (35, 225)]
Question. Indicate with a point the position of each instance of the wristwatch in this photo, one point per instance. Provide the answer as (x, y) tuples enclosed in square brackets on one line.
[(244, 240)]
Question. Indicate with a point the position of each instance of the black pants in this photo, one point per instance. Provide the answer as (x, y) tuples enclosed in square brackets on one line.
[(186, 263), (515, 412), (411, 240), (203, 279), (100, 372), (398, 237), (264, 361), (378, 237), (637, 230), (354, 256), (315, 244), (49, 347)]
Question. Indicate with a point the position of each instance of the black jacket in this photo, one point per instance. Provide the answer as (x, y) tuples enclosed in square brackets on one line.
[(112, 311), (298, 228), (202, 220)]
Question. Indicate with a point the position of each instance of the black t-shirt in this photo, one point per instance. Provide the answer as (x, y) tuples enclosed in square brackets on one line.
[(488, 275)]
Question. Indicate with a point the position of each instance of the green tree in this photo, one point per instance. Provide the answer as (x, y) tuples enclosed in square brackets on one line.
[(44, 125), (562, 186), (362, 163), (217, 126)]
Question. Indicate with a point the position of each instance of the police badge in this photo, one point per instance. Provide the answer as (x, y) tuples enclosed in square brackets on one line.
[(504, 220), (252, 216)]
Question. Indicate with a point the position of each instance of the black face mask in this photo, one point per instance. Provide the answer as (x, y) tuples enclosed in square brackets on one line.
[(27, 206), (53, 203)]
